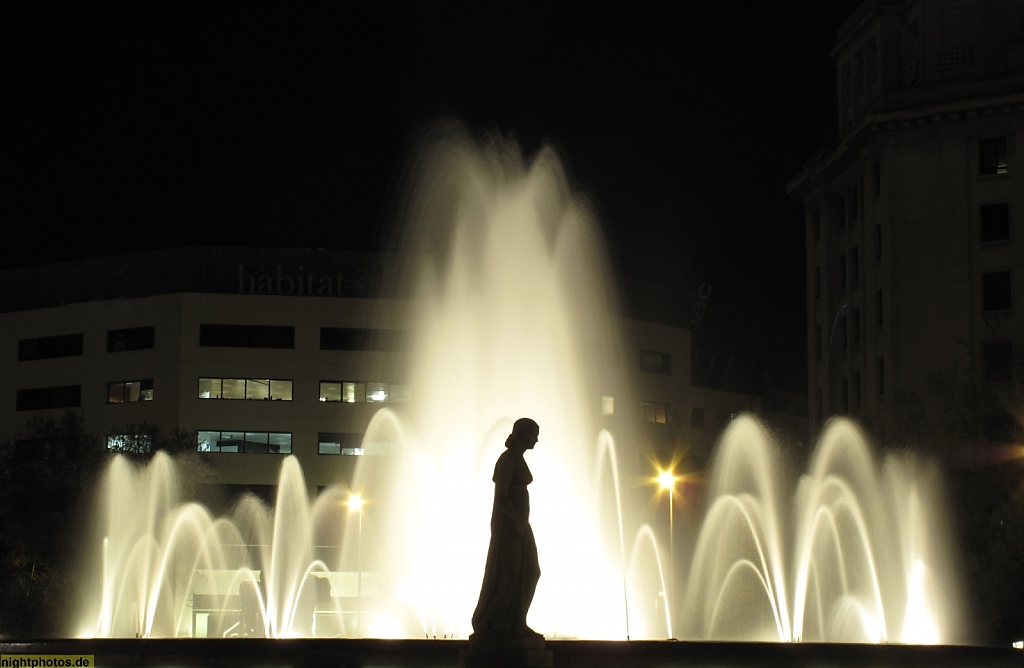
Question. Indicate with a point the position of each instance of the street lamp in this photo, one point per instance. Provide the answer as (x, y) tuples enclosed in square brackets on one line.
[(355, 504)]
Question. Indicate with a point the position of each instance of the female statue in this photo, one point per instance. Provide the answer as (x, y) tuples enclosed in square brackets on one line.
[(512, 570)]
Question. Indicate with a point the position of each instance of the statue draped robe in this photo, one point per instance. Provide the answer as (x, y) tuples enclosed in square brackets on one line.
[(512, 569)]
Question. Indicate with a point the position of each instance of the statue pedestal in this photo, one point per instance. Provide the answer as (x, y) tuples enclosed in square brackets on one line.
[(506, 651)]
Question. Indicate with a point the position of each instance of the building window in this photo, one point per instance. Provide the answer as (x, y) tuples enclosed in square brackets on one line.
[(656, 362), (339, 443), (996, 291), (854, 265), (855, 325), (353, 392), (246, 336), (49, 347), (995, 222), (273, 389), (129, 391), (992, 156), (842, 271), (351, 338), (853, 205), (133, 443), (856, 391), (881, 375), (879, 308), (253, 442), (42, 398), (136, 338), (654, 412), (697, 417), (998, 360), (844, 396)]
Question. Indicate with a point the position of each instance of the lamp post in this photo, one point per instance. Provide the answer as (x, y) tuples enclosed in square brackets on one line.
[(355, 504), (667, 480)]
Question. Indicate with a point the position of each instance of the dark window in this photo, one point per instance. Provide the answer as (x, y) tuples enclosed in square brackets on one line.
[(246, 336), (128, 391), (656, 362), (40, 398), (697, 417), (880, 308), (654, 412), (998, 360), (47, 347), (996, 292), (992, 156), (352, 338), (137, 338), (854, 264), (881, 375), (856, 391), (855, 325), (995, 222)]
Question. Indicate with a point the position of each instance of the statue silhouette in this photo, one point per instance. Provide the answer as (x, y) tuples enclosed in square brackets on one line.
[(512, 570)]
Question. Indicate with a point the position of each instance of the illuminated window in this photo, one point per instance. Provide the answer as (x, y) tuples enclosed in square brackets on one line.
[(252, 442), (128, 391), (245, 388), (340, 443), (654, 412), (352, 392), (136, 443)]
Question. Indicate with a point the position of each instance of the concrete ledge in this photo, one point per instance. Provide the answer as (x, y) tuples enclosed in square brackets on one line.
[(317, 653)]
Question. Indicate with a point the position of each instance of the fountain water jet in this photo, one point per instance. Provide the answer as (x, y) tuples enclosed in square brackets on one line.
[(511, 311)]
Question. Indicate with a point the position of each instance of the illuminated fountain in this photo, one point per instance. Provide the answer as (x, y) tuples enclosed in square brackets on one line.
[(511, 318)]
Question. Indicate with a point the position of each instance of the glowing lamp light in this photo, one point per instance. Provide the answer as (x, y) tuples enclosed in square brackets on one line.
[(666, 480), (355, 502), (1018, 644)]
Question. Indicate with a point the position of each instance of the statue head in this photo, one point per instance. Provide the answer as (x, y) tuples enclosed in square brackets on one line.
[(524, 434)]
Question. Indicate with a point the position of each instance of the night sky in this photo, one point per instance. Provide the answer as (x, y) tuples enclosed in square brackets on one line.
[(148, 127)]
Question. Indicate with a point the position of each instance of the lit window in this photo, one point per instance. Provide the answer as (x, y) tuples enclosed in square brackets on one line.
[(245, 388), (340, 443), (135, 443), (252, 442), (654, 412)]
